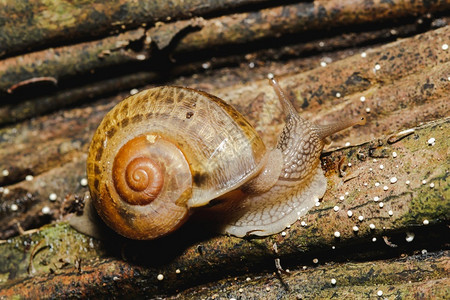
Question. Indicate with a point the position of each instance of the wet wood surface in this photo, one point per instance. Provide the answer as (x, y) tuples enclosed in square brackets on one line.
[(409, 217), (388, 191)]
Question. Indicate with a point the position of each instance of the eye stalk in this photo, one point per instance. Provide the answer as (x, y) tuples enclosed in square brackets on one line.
[(324, 131)]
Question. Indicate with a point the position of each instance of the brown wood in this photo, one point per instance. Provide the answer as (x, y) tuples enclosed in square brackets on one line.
[(28, 26), (36, 106), (138, 44), (59, 256), (405, 85)]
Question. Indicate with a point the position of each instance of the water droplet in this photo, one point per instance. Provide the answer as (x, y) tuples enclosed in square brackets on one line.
[(84, 182), (52, 197), (410, 237)]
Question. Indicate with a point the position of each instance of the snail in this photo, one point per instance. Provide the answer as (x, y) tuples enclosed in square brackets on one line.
[(166, 152)]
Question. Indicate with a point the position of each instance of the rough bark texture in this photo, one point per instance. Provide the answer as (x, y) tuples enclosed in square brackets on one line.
[(137, 45), (27, 25), (57, 256), (14, 112), (419, 276), (392, 173)]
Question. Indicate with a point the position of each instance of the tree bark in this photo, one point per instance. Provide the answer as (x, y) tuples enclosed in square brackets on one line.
[(36, 106), (28, 26), (68, 61), (388, 191), (418, 276), (57, 255)]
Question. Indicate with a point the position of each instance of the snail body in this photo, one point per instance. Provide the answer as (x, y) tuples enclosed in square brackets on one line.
[(159, 155)]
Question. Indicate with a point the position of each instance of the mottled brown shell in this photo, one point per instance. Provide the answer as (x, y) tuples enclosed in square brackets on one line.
[(177, 148)]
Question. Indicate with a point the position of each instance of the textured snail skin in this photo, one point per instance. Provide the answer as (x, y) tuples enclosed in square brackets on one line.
[(165, 152), (299, 185)]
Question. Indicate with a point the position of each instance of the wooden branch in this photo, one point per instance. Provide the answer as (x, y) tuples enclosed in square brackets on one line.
[(298, 18), (36, 106), (422, 274), (40, 264), (16, 112), (28, 26), (68, 61)]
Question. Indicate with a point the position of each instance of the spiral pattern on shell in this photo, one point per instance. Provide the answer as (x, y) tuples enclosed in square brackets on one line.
[(137, 178), (145, 188)]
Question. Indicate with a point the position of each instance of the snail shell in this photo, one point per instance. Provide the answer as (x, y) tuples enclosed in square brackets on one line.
[(163, 152)]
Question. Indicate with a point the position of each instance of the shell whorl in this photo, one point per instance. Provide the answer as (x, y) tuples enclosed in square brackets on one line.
[(143, 193), (137, 177)]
